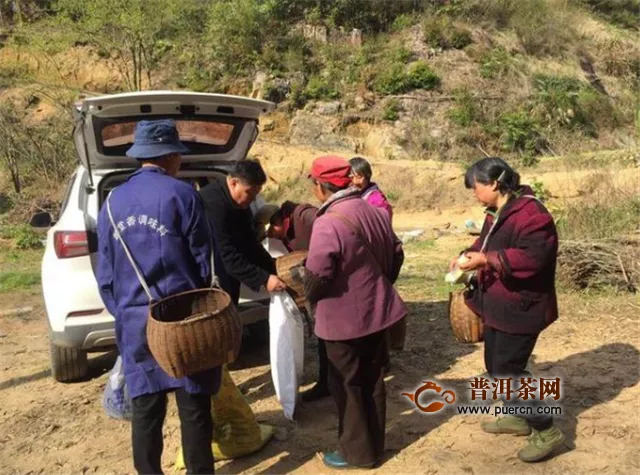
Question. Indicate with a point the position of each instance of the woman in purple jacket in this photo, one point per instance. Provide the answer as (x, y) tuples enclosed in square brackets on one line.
[(361, 174), (513, 290), (353, 260)]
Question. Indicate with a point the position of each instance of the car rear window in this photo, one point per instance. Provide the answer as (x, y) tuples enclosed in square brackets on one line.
[(191, 131)]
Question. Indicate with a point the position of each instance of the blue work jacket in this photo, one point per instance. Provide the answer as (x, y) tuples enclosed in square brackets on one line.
[(163, 222)]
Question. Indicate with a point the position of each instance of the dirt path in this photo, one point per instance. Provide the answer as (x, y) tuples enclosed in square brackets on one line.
[(47, 427)]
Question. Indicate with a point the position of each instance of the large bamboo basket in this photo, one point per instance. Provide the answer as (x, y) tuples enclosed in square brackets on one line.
[(284, 264), (465, 323), (194, 331)]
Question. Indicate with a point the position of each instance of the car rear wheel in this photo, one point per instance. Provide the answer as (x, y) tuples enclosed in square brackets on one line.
[(68, 364)]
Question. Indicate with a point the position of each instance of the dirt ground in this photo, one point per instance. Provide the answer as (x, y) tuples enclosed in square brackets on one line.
[(49, 427)]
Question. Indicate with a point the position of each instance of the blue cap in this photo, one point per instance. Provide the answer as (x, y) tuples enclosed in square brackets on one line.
[(155, 139)]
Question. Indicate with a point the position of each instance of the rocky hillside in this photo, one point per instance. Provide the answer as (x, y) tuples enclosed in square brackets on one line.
[(445, 80)]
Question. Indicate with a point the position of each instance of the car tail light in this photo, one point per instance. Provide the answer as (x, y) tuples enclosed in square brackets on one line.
[(71, 244)]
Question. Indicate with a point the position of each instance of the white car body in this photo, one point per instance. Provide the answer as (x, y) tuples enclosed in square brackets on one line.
[(78, 319)]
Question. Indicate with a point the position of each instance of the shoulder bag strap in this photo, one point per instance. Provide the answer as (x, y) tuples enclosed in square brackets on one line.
[(215, 281)]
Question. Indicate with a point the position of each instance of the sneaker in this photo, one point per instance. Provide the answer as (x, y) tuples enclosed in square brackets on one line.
[(336, 461), (541, 444), (507, 425), (318, 391)]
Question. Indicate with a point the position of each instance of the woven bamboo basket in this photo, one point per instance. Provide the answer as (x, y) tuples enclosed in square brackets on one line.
[(465, 323), (284, 264), (194, 331)]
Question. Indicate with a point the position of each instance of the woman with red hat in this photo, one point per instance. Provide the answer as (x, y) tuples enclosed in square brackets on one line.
[(354, 258)]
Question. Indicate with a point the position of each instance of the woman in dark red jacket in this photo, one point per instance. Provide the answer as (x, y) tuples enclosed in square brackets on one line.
[(513, 290), (292, 224)]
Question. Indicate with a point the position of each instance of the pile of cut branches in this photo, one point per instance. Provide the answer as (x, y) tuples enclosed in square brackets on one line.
[(599, 264)]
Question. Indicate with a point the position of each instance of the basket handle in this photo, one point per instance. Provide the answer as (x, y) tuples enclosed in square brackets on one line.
[(128, 253)]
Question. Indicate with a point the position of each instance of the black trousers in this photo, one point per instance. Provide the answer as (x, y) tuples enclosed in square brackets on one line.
[(196, 429), (356, 381), (506, 355), (323, 363)]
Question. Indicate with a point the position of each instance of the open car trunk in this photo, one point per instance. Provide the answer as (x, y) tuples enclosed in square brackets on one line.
[(216, 128)]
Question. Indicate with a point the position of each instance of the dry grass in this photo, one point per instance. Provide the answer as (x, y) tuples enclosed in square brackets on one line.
[(599, 265)]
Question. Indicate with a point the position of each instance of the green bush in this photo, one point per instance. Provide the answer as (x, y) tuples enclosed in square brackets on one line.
[(570, 103), (391, 110), (12, 74), (297, 96), (496, 63), (321, 87), (391, 80), (398, 79), (467, 109), (403, 22), (519, 132), (460, 38), (420, 76), (401, 55), (598, 112), (22, 236), (541, 191), (236, 33), (441, 32), (368, 15)]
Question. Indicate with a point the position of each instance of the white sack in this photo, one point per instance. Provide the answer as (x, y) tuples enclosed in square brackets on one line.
[(286, 328)]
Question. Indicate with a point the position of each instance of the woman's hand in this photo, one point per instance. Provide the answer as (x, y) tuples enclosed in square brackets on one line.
[(274, 284), (453, 263), (476, 260)]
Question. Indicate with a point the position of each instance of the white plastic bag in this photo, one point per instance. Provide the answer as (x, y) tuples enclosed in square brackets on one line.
[(286, 328), (116, 400)]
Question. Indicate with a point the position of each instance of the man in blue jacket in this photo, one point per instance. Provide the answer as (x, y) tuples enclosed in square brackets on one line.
[(163, 223)]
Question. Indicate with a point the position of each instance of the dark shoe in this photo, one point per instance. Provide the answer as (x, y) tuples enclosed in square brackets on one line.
[(336, 461), (318, 391)]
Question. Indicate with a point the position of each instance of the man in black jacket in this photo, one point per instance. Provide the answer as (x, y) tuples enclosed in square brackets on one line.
[(227, 203)]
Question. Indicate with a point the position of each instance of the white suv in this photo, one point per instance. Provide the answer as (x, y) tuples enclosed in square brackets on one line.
[(218, 130)]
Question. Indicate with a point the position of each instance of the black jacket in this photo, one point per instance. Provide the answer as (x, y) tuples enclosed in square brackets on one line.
[(244, 258)]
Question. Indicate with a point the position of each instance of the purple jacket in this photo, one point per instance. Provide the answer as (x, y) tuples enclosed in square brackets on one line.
[(516, 291), (358, 298), (376, 198)]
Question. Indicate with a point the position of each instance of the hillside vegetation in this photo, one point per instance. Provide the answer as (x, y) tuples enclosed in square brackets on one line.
[(433, 79)]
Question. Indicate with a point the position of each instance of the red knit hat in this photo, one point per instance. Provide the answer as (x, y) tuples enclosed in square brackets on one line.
[(331, 169)]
